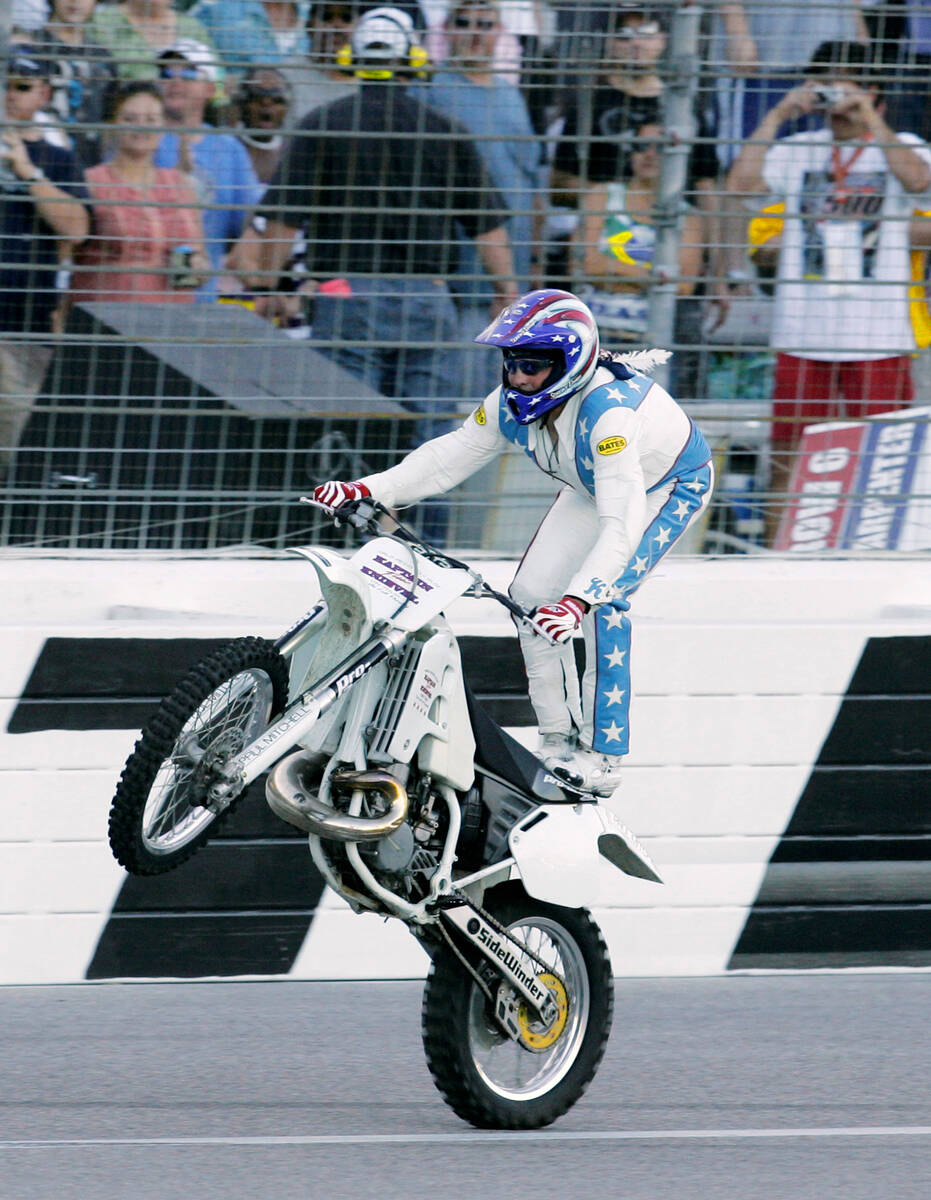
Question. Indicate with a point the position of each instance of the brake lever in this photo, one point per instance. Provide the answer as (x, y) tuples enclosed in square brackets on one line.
[(350, 513), (522, 615)]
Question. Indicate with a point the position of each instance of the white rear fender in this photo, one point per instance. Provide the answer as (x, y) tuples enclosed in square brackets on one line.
[(569, 854)]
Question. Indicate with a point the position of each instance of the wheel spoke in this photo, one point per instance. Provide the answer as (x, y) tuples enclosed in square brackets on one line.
[(215, 732), (508, 1067)]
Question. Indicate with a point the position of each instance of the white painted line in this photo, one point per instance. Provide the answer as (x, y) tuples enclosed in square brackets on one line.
[(498, 1135)]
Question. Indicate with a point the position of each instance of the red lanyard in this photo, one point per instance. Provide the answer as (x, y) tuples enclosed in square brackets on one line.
[(840, 170)]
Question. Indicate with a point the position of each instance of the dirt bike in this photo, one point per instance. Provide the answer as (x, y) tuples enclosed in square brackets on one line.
[(416, 805)]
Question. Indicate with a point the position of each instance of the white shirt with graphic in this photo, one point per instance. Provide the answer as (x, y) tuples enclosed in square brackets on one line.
[(844, 274)]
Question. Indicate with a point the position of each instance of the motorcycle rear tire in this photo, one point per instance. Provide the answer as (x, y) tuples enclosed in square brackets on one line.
[(224, 701), (489, 1080)]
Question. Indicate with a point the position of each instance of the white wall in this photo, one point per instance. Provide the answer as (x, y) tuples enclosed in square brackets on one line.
[(739, 666)]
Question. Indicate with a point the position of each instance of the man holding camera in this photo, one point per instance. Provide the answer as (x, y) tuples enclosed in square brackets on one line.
[(841, 318), (42, 216)]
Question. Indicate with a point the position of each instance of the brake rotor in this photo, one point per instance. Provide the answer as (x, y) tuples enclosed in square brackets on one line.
[(533, 1033)]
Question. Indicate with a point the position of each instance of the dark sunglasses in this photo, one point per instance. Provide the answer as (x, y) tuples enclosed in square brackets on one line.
[(526, 366), (179, 73), (484, 23), (260, 93), (344, 15), (22, 87)]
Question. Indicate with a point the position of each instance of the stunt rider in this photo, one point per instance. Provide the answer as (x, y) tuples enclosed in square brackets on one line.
[(635, 472)]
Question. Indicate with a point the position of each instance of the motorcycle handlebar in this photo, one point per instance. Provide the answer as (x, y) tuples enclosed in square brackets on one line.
[(364, 514)]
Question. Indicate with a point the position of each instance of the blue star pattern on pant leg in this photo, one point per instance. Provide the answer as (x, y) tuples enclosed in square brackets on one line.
[(612, 626), (612, 684), (667, 526)]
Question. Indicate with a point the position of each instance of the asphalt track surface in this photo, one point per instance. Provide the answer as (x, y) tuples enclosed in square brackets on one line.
[(788, 1086)]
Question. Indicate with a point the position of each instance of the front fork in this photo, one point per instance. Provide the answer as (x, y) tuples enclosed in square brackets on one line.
[(509, 958), (295, 722)]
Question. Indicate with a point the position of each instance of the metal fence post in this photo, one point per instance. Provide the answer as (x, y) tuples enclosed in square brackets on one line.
[(682, 80)]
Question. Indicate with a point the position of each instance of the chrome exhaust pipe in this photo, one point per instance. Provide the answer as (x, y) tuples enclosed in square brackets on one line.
[(290, 790)]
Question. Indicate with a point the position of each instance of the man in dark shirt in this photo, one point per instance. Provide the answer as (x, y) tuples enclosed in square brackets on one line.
[(378, 181), (41, 214), (598, 134), (601, 121), (82, 73)]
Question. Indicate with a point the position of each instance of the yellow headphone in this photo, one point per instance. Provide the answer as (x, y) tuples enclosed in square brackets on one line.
[(417, 65)]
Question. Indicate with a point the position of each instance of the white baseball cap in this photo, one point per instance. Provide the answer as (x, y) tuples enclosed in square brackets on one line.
[(197, 54), (383, 35)]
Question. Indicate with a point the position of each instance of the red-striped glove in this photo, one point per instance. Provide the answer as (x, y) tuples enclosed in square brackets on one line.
[(335, 494), (557, 622)]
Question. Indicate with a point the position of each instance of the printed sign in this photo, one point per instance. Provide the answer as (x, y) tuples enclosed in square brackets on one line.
[(863, 485)]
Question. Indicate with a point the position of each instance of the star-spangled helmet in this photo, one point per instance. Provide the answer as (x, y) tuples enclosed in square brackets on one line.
[(554, 321)]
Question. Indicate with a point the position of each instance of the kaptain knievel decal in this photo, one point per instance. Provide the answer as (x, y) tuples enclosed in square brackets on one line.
[(408, 588)]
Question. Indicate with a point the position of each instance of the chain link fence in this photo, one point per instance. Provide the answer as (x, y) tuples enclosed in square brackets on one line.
[(281, 265)]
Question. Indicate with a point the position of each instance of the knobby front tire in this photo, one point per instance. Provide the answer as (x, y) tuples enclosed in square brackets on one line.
[(157, 820), (486, 1078)]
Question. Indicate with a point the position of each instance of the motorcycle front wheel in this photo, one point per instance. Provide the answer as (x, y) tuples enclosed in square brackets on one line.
[(159, 816), (492, 1081)]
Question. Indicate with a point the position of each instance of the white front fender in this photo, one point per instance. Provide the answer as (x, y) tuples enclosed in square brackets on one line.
[(349, 616), (567, 853)]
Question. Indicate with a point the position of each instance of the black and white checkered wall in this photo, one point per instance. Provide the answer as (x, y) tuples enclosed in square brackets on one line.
[(779, 777)]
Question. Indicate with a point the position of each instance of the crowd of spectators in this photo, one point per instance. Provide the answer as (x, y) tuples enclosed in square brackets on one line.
[(384, 192)]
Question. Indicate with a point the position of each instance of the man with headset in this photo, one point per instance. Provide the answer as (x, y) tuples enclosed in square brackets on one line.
[(635, 473), (380, 183)]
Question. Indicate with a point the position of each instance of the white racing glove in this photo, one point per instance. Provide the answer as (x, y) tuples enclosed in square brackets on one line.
[(557, 622), (335, 493)]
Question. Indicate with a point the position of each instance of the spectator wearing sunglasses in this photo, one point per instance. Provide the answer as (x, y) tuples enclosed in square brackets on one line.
[(136, 31), (320, 79), (616, 240), (217, 162), (507, 49), (595, 145), (262, 101), (82, 73), (468, 89), (628, 94), (263, 97), (42, 215)]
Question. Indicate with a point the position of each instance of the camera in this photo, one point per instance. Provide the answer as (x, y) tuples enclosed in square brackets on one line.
[(830, 94)]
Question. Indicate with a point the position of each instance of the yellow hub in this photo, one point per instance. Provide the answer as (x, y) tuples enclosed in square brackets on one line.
[(533, 1033)]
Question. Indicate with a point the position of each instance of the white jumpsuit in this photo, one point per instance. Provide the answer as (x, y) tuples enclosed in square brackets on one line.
[(635, 472)]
